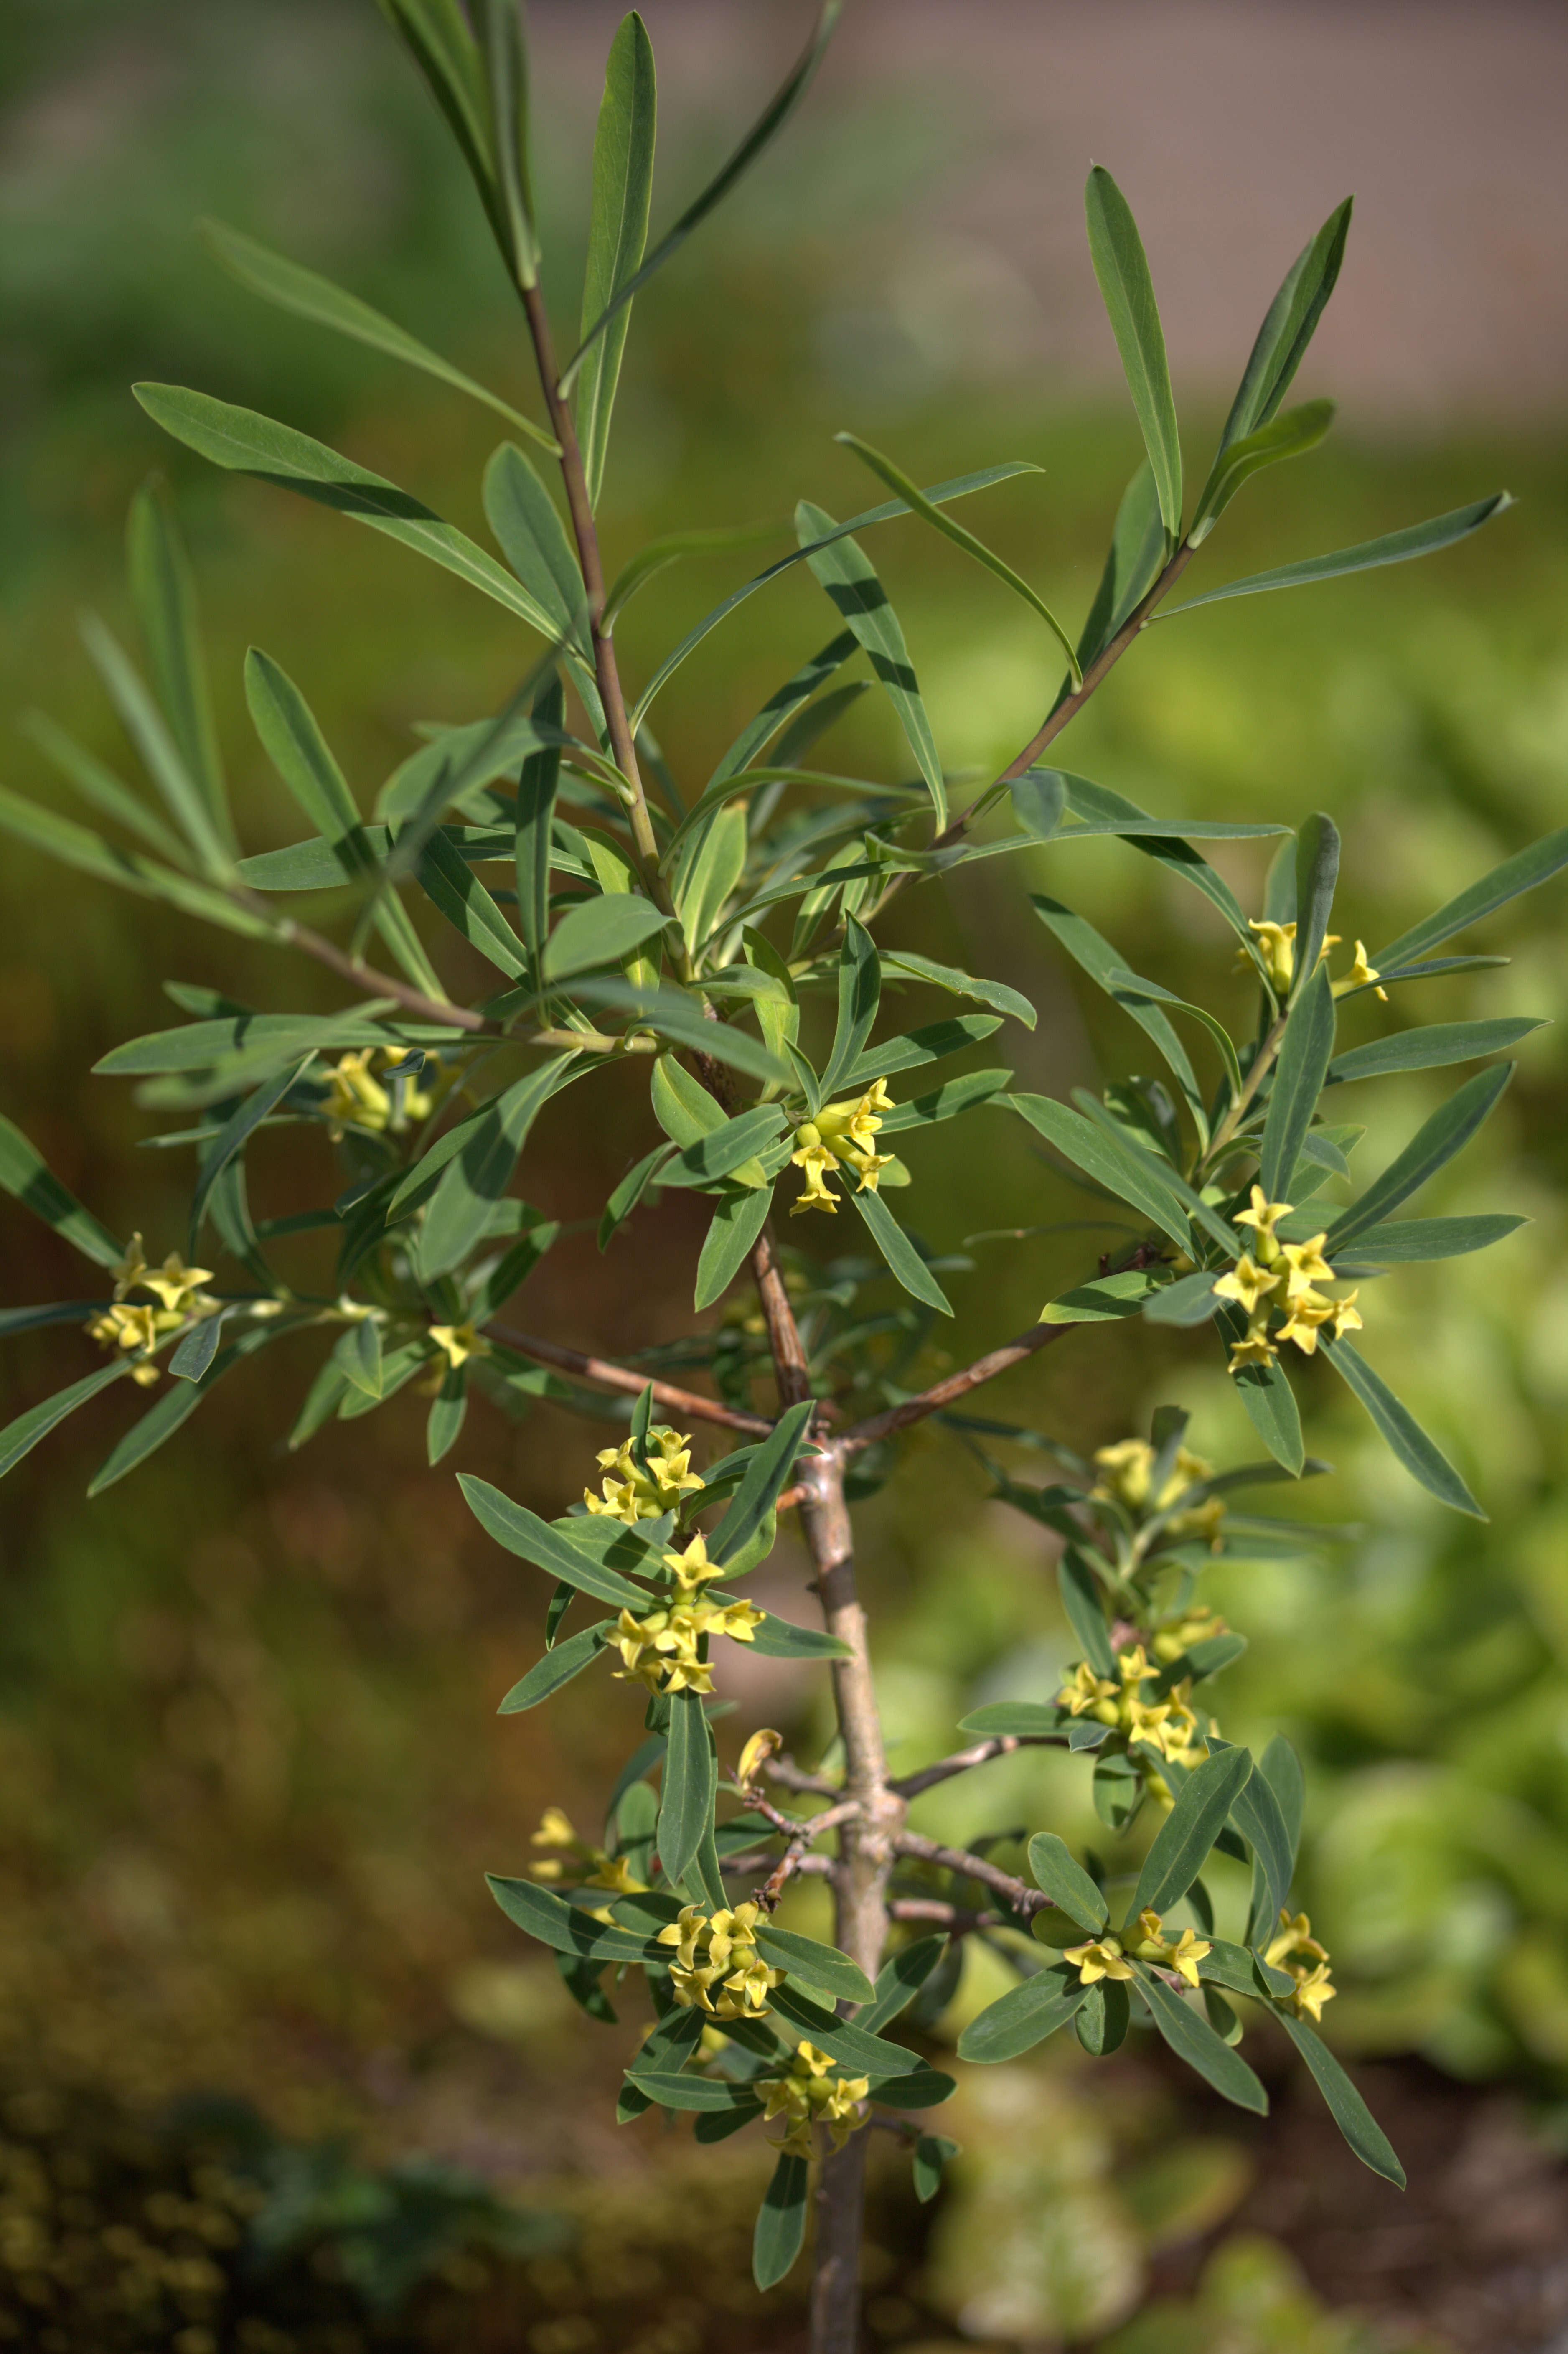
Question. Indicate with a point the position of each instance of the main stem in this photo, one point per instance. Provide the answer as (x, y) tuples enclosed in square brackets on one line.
[(865, 1856)]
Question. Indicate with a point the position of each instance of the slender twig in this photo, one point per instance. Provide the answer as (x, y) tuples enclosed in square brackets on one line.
[(790, 1776), (748, 1866), (580, 509), (1250, 1085), (1019, 1894), (379, 984), (802, 1836), (783, 1333), (956, 1385), (911, 1785), (621, 1377), (954, 1919)]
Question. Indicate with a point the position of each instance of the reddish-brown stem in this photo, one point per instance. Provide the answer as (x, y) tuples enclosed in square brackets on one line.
[(956, 1385), (376, 984), (952, 1917), (909, 1785), (790, 1369), (790, 1776), (1018, 1893), (609, 1376)]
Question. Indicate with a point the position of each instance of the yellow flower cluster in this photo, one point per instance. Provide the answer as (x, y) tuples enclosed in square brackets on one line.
[(1277, 947), (1167, 1724), (1275, 1274), (718, 1967), (578, 1862), (358, 1099), (1314, 1986), (841, 1134), (1196, 1625), (175, 1287), (812, 2094), (1107, 1958), (663, 1650), (633, 1494), (1126, 1473)]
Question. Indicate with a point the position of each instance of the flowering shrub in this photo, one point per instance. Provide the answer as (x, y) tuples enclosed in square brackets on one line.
[(679, 935)]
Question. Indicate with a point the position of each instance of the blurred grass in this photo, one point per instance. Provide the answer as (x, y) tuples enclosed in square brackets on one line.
[(252, 1774)]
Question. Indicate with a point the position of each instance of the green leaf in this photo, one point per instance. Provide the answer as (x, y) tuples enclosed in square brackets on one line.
[(20, 1436), (1132, 566), (1305, 1052), (478, 1174), (900, 1979), (1192, 2040), (1316, 872), (860, 2053), (1256, 1813), (436, 35), (860, 990), (293, 288), (1189, 1300), (532, 1540), (144, 724), (924, 2088), (818, 1964), (557, 1667), (232, 1137), (774, 115), (1290, 436), (102, 787), (1281, 1769), (1186, 1839), (660, 554), (202, 1046), (618, 229), (1129, 987), (932, 2152), (514, 1268), (1080, 1592), (1016, 1720), (246, 443), (780, 2232), (1127, 292), (739, 1219), (1428, 1048), (947, 1102), (1066, 1883), (1346, 2106), (914, 499), (676, 1013), (1395, 547), (25, 1176), (498, 25), (668, 2091), (1435, 1143), (903, 1261), (1266, 1396), (777, 1638), (1105, 1300), (849, 580), (784, 702), (1096, 956), (994, 993), (1286, 330), (535, 818), (444, 1422), (767, 1476), (712, 860), (913, 1048), (175, 1406), (1104, 2016), (691, 1781), (1520, 872), (1024, 2016), (1102, 1158), (1409, 1445), (163, 588), (533, 538), (452, 884), (1408, 1241), (563, 1927)]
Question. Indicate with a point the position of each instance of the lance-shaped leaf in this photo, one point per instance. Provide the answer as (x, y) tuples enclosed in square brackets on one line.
[(774, 115), (1024, 2016), (818, 1964), (618, 229), (498, 25), (912, 1048), (478, 1174), (25, 1175), (537, 792), (914, 499), (1189, 1300), (779, 1638), (1190, 2037), (208, 833), (767, 1476), (737, 1222), (294, 744), (1406, 1242), (690, 1784), (452, 884), (175, 1405), (567, 1929), (860, 990), (959, 487), (1430, 1048), (849, 580), (1286, 330), (163, 587), (1290, 436), (780, 2230), (1421, 1456), (860, 2053), (1127, 292), (1305, 1052), (1266, 1396), (1434, 1144), (20, 1436), (533, 538), (1515, 874), (309, 296), (100, 787), (1186, 1837), (436, 33), (1281, 1769), (1132, 565), (1105, 1300), (676, 1013), (1316, 872), (1104, 1159), (900, 1979), (725, 1150), (1066, 1883), (558, 1666), (533, 1540), (1346, 2106), (232, 1137), (246, 443), (1395, 547), (1094, 954), (1255, 1812), (670, 2091), (994, 993), (903, 1261)]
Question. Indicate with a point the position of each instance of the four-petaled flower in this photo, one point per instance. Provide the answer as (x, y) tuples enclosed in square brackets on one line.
[(842, 1135), (1313, 1986), (1099, 1958), (580, 1862), (637, 1491), (1247, 1283), (1180, 1953), (356, 1097), (813, 2092), (459, 1343), (1361, 975)]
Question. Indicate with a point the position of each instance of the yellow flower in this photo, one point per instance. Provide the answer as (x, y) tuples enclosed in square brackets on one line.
[(459, 1343), (633, 1494), (705, 1946), (817, 1162), (733, 1927), (763, 1744), (660, 1651), (1276, 946), (1314, 1987), (683, 1933), (868, 1167), (1311, 1311), (841, 1132), (358, 1099), (177, 1285), (1124, 1471), (1306, 1266), (1089, 1691), (1194, 1626), (1264, 1216), (555, 1830), (693, 1567), (812, 2094), (1181, 1955), (134, 1330), (131, 1269), (1247, 1283), (1294, 1936), (1100, 1957), (1361, 976), (580, 1862), (1256, 1349)]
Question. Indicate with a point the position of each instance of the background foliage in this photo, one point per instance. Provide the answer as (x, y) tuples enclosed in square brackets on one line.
[(249, 1787)]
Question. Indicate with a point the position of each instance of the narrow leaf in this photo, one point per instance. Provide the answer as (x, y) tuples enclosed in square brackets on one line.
[(1395, 547), (818, 1964), (900, 1979), (1192, 2040), (1266, 1396), (904, 1260), (738, 1223), (1430, 1048), (1408, 1241), (163, 587), (25, 1176), (1305, 1052), (1290, 436), (780, 2232), (766, 1475), (1522, 872), (686, 1802), (618, 230), (1409, 1445), (1127, 292), (850, 582), (558, 1666), (1024, 2017), (1316, 872), (20, 1436), (1066, 1882), (533, 538), (1184, 1840), (994, 993), (532, 1540), (1346, 2106), (1435, 1143)]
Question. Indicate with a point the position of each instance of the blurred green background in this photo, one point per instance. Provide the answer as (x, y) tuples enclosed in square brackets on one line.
[(252, 1769)]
